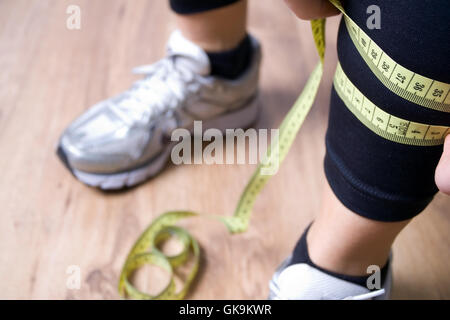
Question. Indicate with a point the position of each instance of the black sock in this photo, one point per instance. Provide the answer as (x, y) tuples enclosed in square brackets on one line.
[(232, 63), (301, 255)]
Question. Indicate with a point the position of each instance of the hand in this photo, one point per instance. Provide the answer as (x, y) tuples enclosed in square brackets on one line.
[(442, 175), (312, 9)]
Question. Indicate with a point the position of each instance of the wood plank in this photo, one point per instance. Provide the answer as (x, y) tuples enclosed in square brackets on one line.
[(50, 221)]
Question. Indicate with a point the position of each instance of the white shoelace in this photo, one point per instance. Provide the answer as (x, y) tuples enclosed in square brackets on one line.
[(165, 86)]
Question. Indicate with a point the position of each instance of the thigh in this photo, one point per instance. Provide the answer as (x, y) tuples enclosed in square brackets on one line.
[(372, 176)]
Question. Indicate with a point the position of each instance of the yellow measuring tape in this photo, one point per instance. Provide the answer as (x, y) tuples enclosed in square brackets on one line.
[(382, 123), (407, 84), (147, 250)]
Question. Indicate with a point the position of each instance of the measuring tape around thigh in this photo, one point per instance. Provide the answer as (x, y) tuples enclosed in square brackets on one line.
[(407, 84), (382, 123), (146, 249)]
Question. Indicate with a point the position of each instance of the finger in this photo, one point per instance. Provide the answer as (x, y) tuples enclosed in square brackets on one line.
[(312, 9), (442, 175)]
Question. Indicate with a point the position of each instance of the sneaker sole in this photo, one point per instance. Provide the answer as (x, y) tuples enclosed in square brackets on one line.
[(242, 118)]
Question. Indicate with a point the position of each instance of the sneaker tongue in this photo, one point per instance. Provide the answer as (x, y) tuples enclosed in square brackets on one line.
[(189, 54)]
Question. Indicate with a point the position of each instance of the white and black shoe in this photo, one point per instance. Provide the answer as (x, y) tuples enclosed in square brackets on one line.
[(303, 282), (125, 140)]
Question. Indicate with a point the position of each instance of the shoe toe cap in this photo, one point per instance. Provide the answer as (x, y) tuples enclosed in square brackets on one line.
[(109, 151)]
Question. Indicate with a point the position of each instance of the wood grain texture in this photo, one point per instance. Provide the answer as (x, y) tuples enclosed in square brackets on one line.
[(50, 221)]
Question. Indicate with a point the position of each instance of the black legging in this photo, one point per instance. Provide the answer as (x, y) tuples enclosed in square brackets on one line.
[(196, 6), (374, 177)]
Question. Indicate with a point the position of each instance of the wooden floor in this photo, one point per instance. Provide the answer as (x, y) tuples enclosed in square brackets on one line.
[(49, 221)]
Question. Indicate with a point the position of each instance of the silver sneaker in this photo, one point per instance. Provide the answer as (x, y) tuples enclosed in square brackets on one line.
[(125, 140), (303, 282)]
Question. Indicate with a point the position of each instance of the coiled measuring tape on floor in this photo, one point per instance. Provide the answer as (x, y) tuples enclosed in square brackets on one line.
[(146, 249), (383, 123)]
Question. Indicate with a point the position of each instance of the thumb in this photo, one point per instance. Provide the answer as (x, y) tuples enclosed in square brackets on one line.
[(442, 174)]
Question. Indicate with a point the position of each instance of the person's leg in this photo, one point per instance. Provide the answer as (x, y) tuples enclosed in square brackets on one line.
[(375, 186), (343, 242), (212, 30), (220, 28)]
